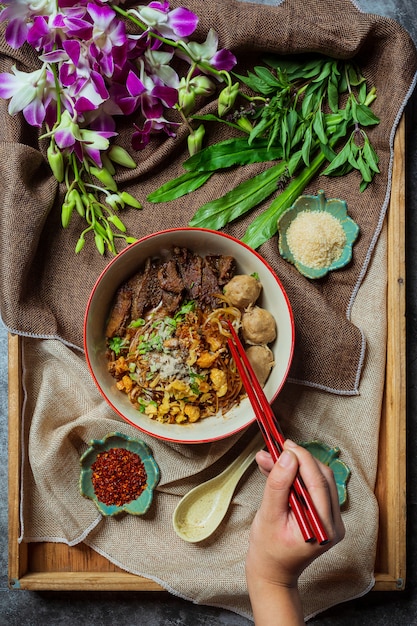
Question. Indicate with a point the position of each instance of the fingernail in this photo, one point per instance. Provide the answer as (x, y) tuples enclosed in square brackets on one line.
[(285, 458), (290, 443)]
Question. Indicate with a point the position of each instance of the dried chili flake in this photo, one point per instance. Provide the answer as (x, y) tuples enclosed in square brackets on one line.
[(118, 476)]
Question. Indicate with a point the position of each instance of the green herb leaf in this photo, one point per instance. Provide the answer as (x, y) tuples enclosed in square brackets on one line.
[(232, 152), (238, 201), (318, 125), (266, 224), (294, 162), (364, 116), (257, 83), (302, 67), (340, 159), (137, 323), (325, 72), (289, 120), (267, 77), (354, 76), (371, 156), (213, 118), (333, 94), (187, 307), (306, 148), (364, 169), (178, 187)]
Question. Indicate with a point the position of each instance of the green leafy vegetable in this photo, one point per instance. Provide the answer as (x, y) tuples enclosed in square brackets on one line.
[(232, 152), (293, 114), (238, 201), (179, 187)]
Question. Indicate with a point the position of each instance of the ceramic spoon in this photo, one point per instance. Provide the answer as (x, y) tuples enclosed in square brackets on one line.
[(202, 509)]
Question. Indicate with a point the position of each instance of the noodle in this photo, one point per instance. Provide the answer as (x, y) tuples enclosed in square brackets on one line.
[(173, 360), (178, 369)]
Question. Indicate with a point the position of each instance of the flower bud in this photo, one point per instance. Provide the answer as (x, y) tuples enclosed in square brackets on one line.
[(227, 98), (99, 241), (56, 161), (80, 244), (104, 177), (75, 197), (195, 140), (109, 234), (203, 86), (100, 230), (120, 156), (245, 124), (117, 222), (66, 212), (130, 200), (186, 97), (108, 164), (115, 201)]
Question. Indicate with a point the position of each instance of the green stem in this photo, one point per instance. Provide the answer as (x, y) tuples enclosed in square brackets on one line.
[(130, 17), (58, 100), (265, 225)]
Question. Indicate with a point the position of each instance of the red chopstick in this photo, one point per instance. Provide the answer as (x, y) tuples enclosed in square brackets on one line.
[(300, 500)]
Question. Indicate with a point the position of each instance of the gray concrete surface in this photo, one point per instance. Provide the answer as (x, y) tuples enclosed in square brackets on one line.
[(24, 608)]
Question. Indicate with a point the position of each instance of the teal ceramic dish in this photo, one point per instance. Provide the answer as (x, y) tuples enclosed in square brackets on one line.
[(335, 207), (141, 504), (330, 456)]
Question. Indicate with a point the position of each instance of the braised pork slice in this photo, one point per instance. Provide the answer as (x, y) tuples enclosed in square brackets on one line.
[(137, 283), (153, 287), (190, 266), (164, 285), (169, 277), (210, 287), (120, 312), (224, 265)]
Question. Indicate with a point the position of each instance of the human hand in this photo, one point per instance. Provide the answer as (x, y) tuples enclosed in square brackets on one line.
[(277, 552)]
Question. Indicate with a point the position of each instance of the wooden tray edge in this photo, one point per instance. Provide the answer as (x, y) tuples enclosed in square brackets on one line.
[(392, 445), (391, 551)]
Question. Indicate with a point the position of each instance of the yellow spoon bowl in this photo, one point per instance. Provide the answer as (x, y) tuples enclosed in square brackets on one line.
[(200, 512)]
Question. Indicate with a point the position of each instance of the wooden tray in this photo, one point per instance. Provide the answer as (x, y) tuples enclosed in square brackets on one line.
[(54, 566)]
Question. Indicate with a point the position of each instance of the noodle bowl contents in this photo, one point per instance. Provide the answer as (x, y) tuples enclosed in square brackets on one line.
[(167, 337)]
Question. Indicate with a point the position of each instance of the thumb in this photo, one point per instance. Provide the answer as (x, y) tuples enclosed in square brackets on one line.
[(277, 489)]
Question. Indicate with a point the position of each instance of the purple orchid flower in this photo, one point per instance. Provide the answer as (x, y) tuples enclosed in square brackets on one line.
[(19, 14), (157, 63), (83, 141), (142, 136), (152, 93), (208, 54), (29, 92), (108, 34), (102, 71), (158, 17), (84, 86), (48, 33)]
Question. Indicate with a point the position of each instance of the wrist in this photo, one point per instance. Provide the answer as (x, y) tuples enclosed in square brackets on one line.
[(266, 571), (274, 603)]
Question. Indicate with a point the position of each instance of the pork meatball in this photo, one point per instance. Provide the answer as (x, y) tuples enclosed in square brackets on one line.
[(242, 290), (258, 326), (262, 361)]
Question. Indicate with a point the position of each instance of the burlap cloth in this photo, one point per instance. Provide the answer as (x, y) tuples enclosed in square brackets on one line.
[(63, 411), (44, 290), (44, 287)]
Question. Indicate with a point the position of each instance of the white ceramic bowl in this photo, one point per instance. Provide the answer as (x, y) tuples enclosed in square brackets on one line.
[(203, 242)]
